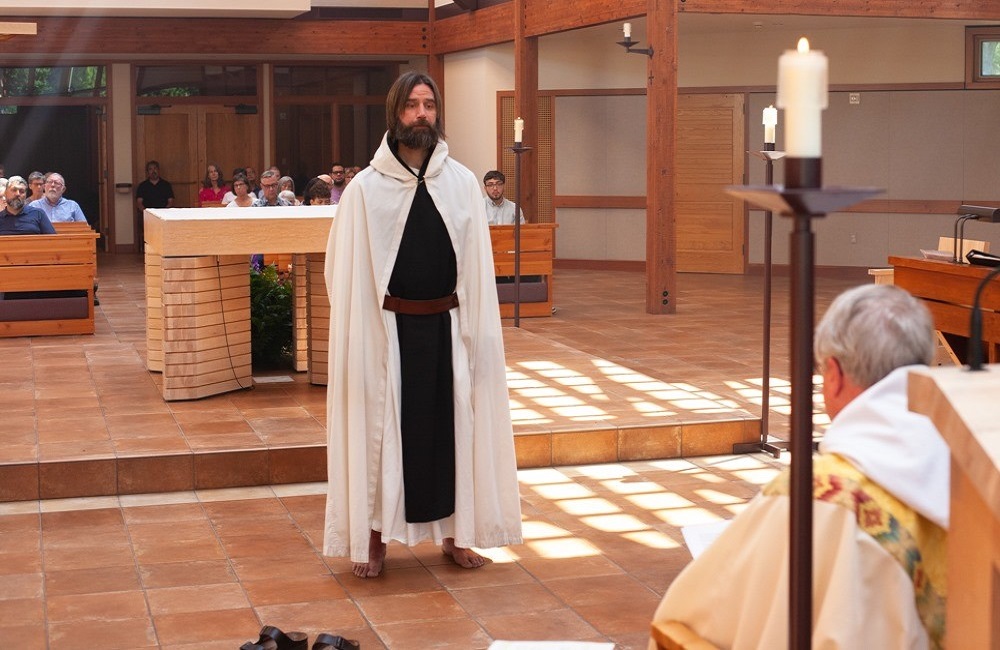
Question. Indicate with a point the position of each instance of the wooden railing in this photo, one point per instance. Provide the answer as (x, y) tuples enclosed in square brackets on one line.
[(537, 251), (54, 277)]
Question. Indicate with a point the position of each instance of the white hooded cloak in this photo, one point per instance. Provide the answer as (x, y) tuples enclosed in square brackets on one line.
[(364, 457)]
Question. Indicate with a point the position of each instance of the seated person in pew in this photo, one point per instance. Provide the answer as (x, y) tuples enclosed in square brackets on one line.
[(18, 218), (499, 209), (880, 504), (55, 206)]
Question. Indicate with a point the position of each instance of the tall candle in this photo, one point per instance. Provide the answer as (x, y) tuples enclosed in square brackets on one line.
[(770, 123), (518, 130), (802, 92), (627, 30)]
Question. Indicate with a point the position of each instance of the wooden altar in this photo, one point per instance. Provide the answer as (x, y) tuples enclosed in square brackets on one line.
[(963, 406), (198, 289)]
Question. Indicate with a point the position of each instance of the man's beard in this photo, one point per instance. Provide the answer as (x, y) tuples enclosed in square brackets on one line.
[(419, 135), (15, 203)]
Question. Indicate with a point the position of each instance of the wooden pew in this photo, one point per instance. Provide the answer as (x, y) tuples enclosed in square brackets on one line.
[(537, 251), (66, 261)]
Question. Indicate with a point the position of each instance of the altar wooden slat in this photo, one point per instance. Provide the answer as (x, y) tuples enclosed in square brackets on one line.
[(198, 290), (964, 408)]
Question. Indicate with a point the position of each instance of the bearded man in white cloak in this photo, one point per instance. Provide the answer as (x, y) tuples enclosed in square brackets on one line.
[(880, 504), (420, 445)]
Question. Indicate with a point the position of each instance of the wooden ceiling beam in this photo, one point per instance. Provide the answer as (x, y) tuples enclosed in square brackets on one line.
[(473, 29), (941, 9), (247, 36)]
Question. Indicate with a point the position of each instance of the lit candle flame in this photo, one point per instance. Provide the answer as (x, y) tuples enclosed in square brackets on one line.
[(803, 45)]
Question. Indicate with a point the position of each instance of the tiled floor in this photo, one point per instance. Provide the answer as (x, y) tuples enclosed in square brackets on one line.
[(206, 569), (197, 567)]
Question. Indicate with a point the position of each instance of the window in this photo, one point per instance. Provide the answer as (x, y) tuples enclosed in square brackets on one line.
[(982, 57), (55, 81), (196, 81), (327, 81)]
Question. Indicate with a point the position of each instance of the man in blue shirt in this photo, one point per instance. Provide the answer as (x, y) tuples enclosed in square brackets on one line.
[(52, 203), (18, 218)]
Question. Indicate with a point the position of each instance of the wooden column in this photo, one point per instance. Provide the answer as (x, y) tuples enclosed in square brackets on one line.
[(661, 138), (526, 106)]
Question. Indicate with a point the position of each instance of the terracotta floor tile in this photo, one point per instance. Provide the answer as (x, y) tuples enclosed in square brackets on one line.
[(562, 624), (22, 586), (293, 589), (315, 615), (454, 634), (23, 611), (401, 608), (91, 581), (208, 625), (186, 573), (187, 599), (260, 568), (121, 634), (107, 606), (23, 637), (482, 602)]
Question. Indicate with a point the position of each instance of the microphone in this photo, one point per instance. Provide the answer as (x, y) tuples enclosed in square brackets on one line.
[(974, 213), (976, 324)]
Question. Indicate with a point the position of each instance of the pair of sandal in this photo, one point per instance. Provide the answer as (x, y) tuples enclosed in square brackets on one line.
[(271, 638)]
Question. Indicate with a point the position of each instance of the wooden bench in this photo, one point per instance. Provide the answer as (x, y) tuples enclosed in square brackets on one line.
[(537, 251), (64, 262)]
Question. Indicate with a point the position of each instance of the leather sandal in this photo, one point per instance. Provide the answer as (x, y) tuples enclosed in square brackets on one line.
[(271, 638), (326, 641)]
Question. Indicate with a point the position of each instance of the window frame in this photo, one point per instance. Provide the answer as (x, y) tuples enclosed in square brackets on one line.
[(974, 37)]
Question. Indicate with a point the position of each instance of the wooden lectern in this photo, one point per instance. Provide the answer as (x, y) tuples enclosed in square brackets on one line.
[(964, 407)]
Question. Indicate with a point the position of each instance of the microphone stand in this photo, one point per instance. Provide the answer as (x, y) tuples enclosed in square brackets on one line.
[(976, 324)]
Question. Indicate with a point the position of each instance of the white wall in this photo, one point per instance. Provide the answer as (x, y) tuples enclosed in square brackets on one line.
[(471, 82), (910, 52)]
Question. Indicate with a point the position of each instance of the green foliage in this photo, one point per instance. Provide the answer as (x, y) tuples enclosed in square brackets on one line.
[(270, 318)]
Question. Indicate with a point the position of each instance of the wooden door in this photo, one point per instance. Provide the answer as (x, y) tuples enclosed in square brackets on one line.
[(184, 139), (710, 154)]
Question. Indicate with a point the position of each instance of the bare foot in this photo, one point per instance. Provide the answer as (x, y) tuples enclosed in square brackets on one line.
[(376, 557), (463, 557)]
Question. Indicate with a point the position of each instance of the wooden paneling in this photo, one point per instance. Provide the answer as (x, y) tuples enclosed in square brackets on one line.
[(914, 206), (220, 37), (710, 225), (185, 138), (601, 202)]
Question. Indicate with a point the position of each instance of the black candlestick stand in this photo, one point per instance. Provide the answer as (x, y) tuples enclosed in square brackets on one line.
[(802, 199), (769, 155), (518, 149)]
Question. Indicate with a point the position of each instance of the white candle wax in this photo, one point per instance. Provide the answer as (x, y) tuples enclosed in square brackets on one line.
[(627, 30), (518, 129), (770, 124), (802, 92)]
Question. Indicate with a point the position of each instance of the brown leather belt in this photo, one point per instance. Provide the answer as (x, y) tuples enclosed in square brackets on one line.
[(420, 307)]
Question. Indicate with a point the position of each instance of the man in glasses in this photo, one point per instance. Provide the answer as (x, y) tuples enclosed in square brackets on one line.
[(339, 182), (54, 205), (499, 210)]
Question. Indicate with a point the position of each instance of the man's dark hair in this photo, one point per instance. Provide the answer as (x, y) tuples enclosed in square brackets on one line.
[(495, 174), (152, 162), (395, 101), (315, 188)]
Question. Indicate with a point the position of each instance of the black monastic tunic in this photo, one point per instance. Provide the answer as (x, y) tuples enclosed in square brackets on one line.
[(426, 269)]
